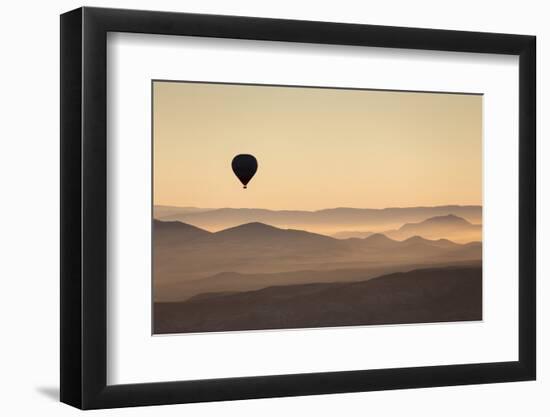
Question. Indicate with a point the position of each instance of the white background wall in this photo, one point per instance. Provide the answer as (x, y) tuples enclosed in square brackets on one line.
[(29, 225)]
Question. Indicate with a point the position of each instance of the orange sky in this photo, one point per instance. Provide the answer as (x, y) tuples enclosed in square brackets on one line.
[(316, 148)]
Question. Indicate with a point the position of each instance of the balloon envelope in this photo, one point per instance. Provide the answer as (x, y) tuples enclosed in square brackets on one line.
[(244, 166)]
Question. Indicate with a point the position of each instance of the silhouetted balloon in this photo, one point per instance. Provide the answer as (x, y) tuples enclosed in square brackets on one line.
[(244, 166)]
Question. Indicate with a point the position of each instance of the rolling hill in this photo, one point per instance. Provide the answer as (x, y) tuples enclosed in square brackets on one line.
[(419, 296), (177, 232), (449, 226), (327, 221), (237, 282)]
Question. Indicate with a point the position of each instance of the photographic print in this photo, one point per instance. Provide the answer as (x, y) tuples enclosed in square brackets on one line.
[(287, 207)]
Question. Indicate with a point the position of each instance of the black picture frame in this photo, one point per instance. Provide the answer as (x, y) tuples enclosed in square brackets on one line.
[(84, 207)]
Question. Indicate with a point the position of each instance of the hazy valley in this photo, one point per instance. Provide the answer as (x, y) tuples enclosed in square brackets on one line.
[(327, 221), (197, 270)]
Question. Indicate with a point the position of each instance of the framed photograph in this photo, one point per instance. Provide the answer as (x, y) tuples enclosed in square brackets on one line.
[(257, 208)]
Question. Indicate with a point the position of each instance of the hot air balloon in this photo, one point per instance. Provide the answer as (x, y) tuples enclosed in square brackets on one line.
[(244, 166)]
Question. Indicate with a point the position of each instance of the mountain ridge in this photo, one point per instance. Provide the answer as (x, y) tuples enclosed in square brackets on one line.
[(325, 221), (257, 228), (450, 226)]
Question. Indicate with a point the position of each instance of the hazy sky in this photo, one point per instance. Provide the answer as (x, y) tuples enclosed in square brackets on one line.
[(316, 148)]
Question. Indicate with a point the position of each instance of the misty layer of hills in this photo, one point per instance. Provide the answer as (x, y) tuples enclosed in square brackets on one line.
[(250, 275), (450, 227), (189, 260), (328, 221)]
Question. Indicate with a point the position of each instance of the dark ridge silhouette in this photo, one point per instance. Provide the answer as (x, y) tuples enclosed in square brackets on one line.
[(174, 232), (252, 227), (259, 230), (253, 237), (379, 239), (419, 296), (178, 226), (264, 240)]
